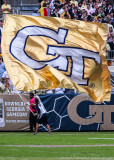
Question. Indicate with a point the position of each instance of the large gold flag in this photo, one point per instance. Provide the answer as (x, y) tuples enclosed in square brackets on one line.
[(46, 53)]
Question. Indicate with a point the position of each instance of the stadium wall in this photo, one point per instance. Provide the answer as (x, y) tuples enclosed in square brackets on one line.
[(66, 112)]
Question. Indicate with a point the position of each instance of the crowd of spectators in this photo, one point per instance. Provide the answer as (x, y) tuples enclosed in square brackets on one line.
[(99, 11)]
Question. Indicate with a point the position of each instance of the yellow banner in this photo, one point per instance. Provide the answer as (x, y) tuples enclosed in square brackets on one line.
[(46, 53)]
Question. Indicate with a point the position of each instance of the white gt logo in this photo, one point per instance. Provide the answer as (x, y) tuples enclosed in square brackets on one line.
[(70, 60)]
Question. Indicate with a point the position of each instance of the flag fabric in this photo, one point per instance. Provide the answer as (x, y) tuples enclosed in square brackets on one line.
[(49, 53)]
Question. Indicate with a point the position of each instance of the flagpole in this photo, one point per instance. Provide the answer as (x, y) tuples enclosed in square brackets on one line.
[(24, 101)]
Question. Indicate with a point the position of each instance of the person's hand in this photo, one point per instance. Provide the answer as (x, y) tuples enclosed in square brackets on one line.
[(57, 4), (8, 9), (27, 103), (4, 9), (34, 114)]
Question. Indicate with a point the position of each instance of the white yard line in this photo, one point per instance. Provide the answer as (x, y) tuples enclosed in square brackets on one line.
[(20, 134), (60, 146), (75, 134), (102, 138), (83, 158)]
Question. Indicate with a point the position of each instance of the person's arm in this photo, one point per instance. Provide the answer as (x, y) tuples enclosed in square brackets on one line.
[(62, 14), (69, 16), (109, 35), (9, 8), (32, 104), (39, 11), (2, 87), (4, 9)]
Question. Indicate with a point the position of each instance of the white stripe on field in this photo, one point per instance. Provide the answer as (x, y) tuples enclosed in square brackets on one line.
[(75, 134), (100, 138), (92, 158), (20, 134), (58, 146)]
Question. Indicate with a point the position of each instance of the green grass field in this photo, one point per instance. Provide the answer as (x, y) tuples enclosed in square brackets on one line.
[(10, 149)]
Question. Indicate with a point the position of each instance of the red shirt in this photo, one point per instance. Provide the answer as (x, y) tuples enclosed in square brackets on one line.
[(45, 12), (33, 108)]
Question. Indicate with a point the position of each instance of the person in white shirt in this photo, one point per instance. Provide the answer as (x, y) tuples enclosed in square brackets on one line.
[(6, 9), (61, 9), (90, 2), (2, 67), (84, 6), (9, 85), (59, 90), (98, 3), (2, 87), (49, 91), (42, 116), (1, 26), (36, 13), (89, 10)]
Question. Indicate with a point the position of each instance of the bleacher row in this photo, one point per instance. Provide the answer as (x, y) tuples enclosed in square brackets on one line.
[(15, 3), (26, 6)]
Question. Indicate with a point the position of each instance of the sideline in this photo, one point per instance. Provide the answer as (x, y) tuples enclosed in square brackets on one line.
[(103, 145)]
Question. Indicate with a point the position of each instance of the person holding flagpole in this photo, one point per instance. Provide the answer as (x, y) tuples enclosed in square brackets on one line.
[(33, 115), (42, 116)]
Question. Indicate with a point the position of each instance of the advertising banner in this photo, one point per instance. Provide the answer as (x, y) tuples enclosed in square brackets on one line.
[(14, 114), (78, 112), (66, 112)]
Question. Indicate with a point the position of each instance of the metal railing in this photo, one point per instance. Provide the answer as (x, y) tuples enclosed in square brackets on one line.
[(18, 3), (112, 80), (110, 55), (29, 2), (23, 6), (16, 10)]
